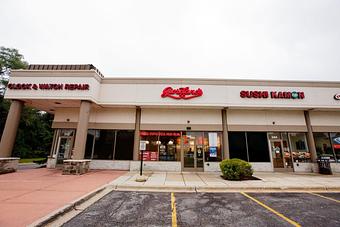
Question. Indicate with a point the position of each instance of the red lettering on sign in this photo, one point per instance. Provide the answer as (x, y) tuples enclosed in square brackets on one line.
[(181, 93), (273, 94), (24, 86), (148, 133)]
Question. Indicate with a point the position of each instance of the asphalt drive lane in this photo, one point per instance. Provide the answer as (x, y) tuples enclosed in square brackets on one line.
[(304, 208), (222, 209), (126, 209), (210, 209)]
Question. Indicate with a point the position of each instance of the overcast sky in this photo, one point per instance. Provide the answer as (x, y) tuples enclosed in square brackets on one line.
[(288, 39)]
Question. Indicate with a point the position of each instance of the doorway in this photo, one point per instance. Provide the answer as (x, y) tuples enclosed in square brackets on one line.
[(193, 154), (281, 155), (64, 149)]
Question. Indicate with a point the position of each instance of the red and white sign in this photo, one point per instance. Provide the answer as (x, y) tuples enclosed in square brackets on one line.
[(27, 86), (150, 156), (148, 133), (181, 93), (273, 94)]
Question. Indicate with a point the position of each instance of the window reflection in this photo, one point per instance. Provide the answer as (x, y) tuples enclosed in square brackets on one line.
[(299, 147)]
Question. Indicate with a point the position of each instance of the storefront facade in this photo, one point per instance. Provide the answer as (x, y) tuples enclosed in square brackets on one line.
[(179, 124)]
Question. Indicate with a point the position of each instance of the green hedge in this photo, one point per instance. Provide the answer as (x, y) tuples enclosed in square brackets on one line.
[(236, 169)]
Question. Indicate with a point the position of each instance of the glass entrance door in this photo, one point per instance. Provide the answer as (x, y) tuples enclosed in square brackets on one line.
[(193, 154), (276, 147), (64, 148), (279, 146)]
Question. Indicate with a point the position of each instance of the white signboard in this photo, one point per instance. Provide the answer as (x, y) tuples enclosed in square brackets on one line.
[(142, 145), (212, 139)]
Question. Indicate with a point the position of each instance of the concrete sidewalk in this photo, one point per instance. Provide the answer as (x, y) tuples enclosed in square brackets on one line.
[(212, 182)]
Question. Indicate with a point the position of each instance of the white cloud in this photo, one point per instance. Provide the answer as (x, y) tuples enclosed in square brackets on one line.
[(271, 39)]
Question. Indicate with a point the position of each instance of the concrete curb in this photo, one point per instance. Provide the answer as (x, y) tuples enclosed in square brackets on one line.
[(55, 214), (164, 188)]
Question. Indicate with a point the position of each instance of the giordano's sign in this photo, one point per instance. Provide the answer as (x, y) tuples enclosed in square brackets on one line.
[(272, 94)]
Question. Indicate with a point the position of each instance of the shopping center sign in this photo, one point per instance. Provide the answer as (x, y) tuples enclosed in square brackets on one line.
[(273, 94)]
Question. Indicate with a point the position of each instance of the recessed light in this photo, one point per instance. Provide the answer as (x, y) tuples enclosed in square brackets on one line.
[(57, 103)]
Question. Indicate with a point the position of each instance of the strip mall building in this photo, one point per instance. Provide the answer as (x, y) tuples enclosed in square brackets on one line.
[(180, 124)]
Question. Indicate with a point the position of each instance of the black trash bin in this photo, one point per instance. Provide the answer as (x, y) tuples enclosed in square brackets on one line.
[(324, 165)]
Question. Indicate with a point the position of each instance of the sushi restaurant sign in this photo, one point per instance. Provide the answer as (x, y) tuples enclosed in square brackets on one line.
[(273, 94)]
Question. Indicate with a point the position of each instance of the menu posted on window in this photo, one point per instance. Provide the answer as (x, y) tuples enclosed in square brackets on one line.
[(212, 139), (150, 156)]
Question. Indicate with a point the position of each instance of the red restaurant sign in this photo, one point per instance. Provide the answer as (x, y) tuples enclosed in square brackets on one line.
[(148, 133), (181, 93), (273, 94), (26, 86)]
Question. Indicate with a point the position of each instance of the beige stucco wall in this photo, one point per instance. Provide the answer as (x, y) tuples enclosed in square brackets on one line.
[(266, 120), (147, 92), (325, 121), (105, 118), (170, 119)]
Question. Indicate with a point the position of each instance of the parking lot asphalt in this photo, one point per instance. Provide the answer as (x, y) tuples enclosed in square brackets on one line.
[(211, 209)]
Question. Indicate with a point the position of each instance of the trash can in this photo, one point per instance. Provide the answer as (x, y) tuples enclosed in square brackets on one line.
[(324, 165)]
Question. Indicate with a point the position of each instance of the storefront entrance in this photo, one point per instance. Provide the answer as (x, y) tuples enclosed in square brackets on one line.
[(64, 149), (64, 145), (281, 155), (193, 154)]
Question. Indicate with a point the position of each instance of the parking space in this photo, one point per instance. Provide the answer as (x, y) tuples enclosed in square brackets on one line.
[(127, 209), (212, 209), (303, 208)]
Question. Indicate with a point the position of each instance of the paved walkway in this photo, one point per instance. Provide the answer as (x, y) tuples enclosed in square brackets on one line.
[(28, 195), (204, 182)]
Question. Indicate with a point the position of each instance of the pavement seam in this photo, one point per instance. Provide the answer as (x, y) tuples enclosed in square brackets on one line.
[(290, 221)]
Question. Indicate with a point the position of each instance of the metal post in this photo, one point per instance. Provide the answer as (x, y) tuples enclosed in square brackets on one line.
[(141, 163)]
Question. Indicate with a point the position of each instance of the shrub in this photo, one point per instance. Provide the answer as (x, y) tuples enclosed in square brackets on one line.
[(236, 169)]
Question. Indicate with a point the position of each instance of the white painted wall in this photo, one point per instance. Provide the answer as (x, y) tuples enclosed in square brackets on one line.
[(325, 118), (181, 116), (102, 115), (266, 117), (110, 164), (113, 115), (156, 166), (132, 92)]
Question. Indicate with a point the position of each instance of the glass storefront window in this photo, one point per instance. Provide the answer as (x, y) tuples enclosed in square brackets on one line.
[(212, 142), (124, 145), (258, 147), (299, 148), (323, 145), (161, 146), (104, 144), (336, 144), (166, 146), (238, 145)]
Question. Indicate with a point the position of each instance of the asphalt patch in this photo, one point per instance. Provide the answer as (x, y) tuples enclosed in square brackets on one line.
[(127, 209)]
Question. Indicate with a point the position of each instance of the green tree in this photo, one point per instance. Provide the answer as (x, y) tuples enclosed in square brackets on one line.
[(34, 134)]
